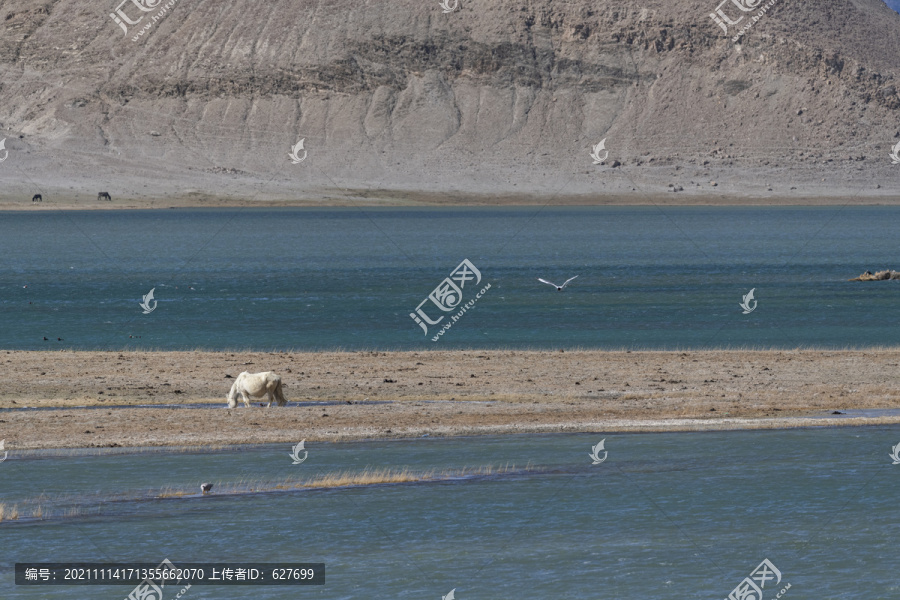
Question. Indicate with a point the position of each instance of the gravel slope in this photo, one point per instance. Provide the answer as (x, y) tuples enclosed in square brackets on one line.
[(398, 102)]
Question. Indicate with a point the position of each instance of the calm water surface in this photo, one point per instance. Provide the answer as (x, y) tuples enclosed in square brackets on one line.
[(348, 278)]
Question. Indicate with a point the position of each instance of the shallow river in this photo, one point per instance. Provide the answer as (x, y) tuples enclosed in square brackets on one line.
[(681, 515)]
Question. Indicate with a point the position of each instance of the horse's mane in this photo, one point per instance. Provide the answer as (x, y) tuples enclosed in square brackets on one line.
[(232, 393)]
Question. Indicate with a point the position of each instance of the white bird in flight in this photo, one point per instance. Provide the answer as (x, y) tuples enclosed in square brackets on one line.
[(559, 288)]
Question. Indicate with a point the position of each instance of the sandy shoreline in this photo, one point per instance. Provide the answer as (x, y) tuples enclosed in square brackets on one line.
[(410, 394)]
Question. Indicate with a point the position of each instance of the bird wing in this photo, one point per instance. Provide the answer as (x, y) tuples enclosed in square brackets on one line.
[(547, 282), (568, 280)]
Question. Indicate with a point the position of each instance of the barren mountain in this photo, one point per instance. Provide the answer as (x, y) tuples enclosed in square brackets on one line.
[(492, 101)]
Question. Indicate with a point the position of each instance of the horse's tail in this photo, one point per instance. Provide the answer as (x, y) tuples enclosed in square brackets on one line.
[(279, 394)]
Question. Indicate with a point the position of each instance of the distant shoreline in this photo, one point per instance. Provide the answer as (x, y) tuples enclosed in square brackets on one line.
[(365, 395), (423, 199)]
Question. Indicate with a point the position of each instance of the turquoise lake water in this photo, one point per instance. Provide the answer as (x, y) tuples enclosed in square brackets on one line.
[(349, 278), (665, 516)]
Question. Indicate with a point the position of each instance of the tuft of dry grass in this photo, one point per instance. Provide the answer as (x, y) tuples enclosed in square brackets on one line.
[(73, 512), (10, 513), (170, 492), (345, 479)]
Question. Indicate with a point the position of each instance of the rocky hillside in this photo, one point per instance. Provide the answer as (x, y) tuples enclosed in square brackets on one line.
[(494, 99)]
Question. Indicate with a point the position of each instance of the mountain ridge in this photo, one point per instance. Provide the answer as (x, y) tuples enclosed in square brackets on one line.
[(494, 98)]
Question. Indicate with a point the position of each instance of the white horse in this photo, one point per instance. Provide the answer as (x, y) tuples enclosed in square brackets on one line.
[(256, 385)]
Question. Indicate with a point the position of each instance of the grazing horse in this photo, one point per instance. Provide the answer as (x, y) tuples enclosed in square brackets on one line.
[(104, 196), (256, 385), (37, 198)]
